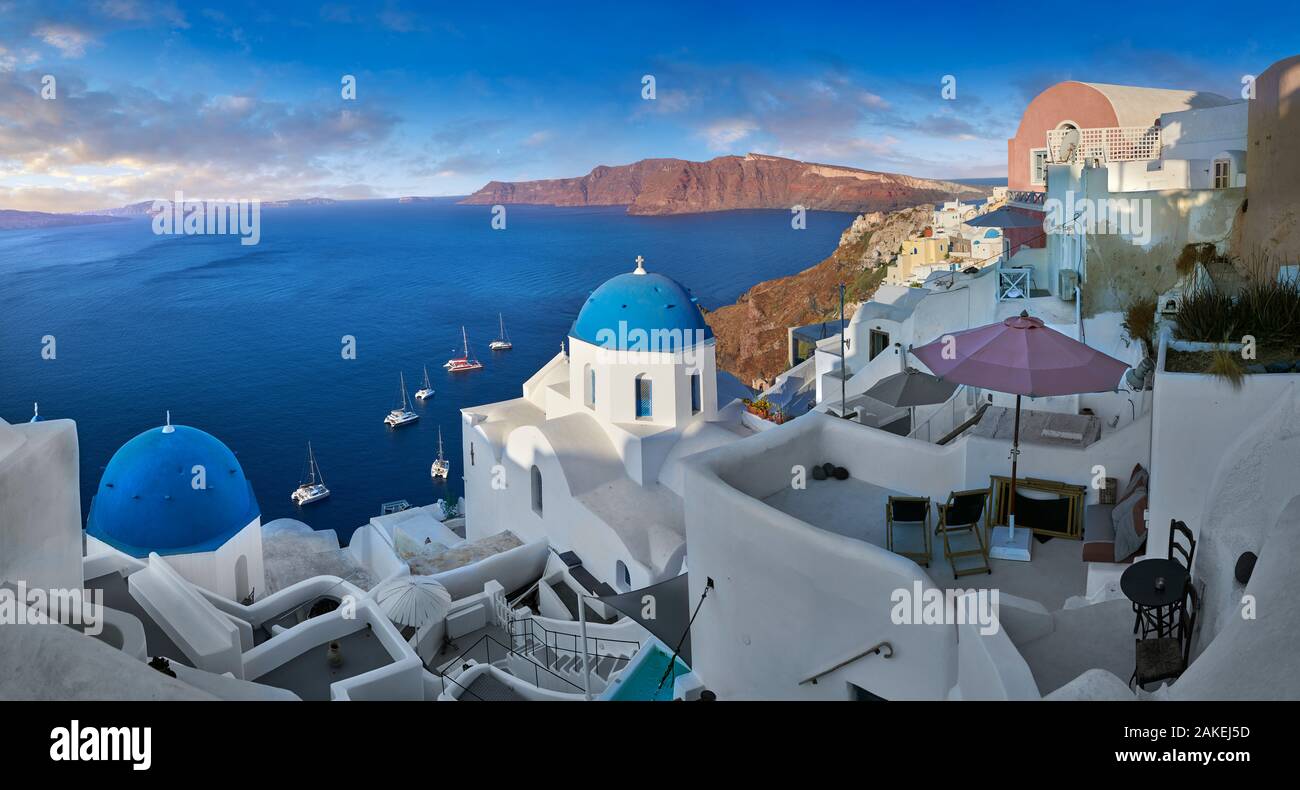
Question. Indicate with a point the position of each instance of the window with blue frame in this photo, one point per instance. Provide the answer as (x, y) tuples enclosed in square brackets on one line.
[(697, 395), (644, 402)]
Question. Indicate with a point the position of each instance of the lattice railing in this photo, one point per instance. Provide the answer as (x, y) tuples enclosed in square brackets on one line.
[(1112, 144)]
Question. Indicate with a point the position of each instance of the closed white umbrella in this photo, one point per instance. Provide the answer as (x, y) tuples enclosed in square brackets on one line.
[(413, 600)]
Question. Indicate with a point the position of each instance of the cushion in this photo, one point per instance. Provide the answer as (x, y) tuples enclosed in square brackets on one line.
[(1138, 478), (1130, 528)]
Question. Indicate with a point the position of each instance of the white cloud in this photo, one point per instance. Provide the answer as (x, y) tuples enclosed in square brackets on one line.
[(68, 40), (722, 134)]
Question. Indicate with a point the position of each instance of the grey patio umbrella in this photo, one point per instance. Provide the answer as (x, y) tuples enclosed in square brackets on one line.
[(911, 388)]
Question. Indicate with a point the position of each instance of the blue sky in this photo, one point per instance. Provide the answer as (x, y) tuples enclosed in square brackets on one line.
[(242, 99)]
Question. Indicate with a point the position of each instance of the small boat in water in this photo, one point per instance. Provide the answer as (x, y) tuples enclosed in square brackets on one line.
[(314, 488), (402, 415), (441, 466), (502, 343), (465, 361), (427, 390)]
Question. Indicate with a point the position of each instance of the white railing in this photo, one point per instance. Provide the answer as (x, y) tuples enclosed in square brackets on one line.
[(1111, 144)]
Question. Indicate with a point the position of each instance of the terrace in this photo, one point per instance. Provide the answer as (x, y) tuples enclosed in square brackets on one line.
[(1057, 630)]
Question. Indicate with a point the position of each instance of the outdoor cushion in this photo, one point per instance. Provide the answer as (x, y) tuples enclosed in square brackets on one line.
[(1098, 533), (1129, 526), (1138, 478)]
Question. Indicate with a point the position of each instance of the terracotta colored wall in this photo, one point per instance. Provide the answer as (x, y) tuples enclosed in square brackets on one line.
[(1064, 101), (1026, 237), (1271, 223)]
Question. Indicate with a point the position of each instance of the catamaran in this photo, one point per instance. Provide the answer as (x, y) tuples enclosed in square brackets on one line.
[(402, 415), (314, 489), (463, 362), (427, 390), (441, 466), (502, 343)]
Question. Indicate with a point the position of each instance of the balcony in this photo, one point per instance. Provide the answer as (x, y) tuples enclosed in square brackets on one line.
[(1113, 144)]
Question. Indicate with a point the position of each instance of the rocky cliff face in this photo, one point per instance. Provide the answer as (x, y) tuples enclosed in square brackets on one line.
[(754, 181), (752, 333)]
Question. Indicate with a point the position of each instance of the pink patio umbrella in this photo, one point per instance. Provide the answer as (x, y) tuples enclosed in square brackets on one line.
[(1022, 356)]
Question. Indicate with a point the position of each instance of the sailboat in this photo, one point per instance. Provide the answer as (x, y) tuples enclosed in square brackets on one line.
[(402, 415), (463, 362), (314, 489), (502, 343), (441, 466), (427, 390)]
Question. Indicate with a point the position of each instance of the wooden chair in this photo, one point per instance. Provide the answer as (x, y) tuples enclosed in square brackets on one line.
[(1166, 658), (1060, 514), (909, 510), (962, 514), (1144, 621), (1179, 529)]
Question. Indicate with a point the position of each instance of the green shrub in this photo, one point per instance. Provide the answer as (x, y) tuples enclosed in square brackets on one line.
[(1269, 310), (1207, 316)]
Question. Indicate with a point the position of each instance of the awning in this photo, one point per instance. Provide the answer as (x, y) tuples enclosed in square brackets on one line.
[(1004, 218), (663, 609)]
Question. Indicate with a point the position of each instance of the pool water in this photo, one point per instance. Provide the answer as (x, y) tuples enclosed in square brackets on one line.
[(641, 680)]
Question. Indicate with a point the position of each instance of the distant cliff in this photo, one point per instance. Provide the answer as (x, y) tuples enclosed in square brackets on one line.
[(27, 220), (754, 181), (751, 334)]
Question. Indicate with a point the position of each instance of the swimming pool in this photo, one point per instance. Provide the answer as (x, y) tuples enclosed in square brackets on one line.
[(640, 681)]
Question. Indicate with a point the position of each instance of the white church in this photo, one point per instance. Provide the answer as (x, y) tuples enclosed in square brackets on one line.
[(589, 457)]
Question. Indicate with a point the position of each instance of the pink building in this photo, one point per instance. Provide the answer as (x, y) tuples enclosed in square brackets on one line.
[(1110, 120)]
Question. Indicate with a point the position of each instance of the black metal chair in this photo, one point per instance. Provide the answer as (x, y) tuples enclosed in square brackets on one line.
[(962, 514), (909, 510), (1166, 658)]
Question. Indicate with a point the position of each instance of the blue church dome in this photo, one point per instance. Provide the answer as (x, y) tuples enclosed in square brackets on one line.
[(643, 301), (147, 500)]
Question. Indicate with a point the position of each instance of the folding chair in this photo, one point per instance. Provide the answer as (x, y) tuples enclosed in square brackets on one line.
[(962, 514), (909, 510)]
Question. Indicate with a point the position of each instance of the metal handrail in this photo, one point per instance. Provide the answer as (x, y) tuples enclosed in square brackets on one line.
[(550, 639), (883, 646), (488, 649)]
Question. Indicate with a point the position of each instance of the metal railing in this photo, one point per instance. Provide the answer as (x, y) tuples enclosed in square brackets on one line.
[(1109, 144), (487, 640), (531, 636), (888, 652), (1030, 198)]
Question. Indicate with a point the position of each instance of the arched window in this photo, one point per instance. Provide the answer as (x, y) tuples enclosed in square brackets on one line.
[(644, 399), (697, 393), (242, 589), (537, 490), (622, 577), (589, 386)]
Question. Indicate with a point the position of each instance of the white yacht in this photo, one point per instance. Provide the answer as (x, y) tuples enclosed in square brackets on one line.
[(441, 466), (502, 343), (402, 415), (314, 489), (464, 361), (427, 390)]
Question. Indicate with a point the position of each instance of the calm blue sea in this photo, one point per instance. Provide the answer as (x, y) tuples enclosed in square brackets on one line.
[(244, 341)]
